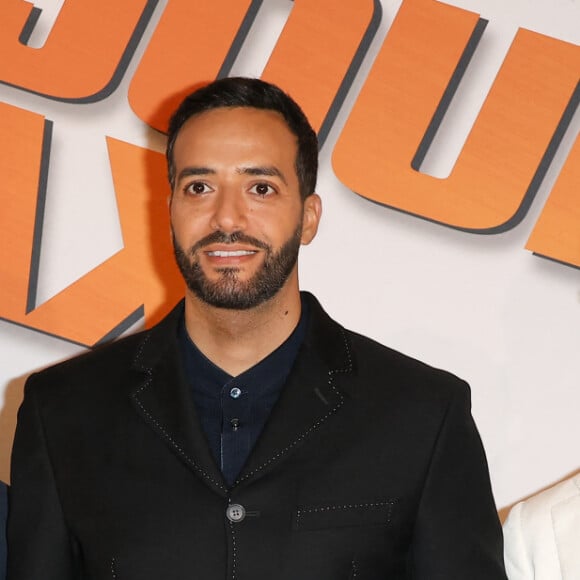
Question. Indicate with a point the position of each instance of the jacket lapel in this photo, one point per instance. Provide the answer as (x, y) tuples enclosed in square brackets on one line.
[(566, 521), (163, 399), (312, 395)]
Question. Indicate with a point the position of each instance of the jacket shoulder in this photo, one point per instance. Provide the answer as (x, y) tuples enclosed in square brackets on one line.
[(119, 350), (374, 366), (378, 362), (108, 366), (531, 532), (533, 510)]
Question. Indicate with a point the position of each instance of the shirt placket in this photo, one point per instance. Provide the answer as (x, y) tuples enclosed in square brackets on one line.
[(236, 428)]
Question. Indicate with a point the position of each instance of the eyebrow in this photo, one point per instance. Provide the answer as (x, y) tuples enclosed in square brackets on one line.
[(189, 171), (268, 170)]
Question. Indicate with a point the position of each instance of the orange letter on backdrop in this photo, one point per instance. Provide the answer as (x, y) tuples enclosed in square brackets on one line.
[(557, 233), (502, 162), (97, 305), (85, 54), (24, 152), (319, 53), (190, 45), (315, 59)]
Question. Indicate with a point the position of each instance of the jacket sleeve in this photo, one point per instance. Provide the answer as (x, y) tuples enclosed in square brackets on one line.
[(457, 531), (39, 544), (517, 562)]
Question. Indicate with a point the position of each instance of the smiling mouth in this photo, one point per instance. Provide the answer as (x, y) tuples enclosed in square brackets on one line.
[(231, 253)]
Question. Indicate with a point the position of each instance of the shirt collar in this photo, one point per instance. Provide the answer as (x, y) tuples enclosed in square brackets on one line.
[(272, 369)]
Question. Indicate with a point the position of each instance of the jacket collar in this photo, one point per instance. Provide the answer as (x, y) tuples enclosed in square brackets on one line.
[(163, 398), (312, 396)]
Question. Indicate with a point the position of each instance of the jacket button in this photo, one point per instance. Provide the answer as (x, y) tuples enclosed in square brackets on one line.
[(236, 512)]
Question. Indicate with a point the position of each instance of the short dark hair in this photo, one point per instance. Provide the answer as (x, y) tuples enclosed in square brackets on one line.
[(255, 93)]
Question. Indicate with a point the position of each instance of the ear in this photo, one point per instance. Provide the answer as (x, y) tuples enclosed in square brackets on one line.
[(311, 214)]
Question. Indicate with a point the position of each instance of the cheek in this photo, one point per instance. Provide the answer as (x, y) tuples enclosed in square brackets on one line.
[(176, 225), (183, 222)]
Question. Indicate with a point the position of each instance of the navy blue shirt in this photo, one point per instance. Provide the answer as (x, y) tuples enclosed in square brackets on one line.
[(233, 410)]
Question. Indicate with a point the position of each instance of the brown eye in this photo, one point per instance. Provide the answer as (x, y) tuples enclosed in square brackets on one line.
[(198, 187), (262, 189)]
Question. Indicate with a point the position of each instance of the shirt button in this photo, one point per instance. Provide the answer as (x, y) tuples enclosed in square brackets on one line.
[(236, 513), (235, 393)]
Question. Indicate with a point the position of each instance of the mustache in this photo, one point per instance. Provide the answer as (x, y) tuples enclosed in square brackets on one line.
[(219, 237)]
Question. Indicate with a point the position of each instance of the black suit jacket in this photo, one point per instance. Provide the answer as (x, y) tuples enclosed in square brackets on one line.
[(3, 515), (369, 468)]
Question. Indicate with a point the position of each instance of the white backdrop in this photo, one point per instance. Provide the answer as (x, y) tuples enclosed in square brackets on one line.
[(480, 306)]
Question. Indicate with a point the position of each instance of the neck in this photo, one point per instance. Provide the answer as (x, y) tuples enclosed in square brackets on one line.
[(235, 340)]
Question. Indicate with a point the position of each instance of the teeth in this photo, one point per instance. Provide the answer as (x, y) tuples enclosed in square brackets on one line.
[(230, 254)]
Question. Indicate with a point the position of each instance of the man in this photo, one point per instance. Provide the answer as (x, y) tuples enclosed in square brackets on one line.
[(542, 534), (248, 436), (3, 516)]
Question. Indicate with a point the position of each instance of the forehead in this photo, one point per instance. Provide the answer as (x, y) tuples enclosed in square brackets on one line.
[(232, 120), (240, 127)]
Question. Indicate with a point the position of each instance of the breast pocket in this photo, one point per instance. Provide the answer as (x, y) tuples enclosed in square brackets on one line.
[(336, 515)]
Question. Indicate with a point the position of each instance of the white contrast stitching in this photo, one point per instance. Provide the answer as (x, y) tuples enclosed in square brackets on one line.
[(113, 569), (328, 508), (140, 352), (162, 429), (354, 570), (234, 550), (331, 374)]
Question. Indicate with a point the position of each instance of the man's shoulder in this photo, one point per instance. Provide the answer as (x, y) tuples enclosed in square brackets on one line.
[(541, 533), (389, 365), (96, 358), (372, 349), (106, 364), (378, 366), (103, 369), (541, 503)]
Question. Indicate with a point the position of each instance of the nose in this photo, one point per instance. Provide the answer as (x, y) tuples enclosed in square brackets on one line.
[(229, 212)]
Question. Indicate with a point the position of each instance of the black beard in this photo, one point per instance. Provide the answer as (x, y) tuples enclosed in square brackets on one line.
[(228, 291)]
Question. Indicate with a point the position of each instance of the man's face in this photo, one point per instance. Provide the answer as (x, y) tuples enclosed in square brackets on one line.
[(236, 213)]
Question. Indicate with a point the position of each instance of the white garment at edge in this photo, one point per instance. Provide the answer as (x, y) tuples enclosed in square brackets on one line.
[(542, 535)]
